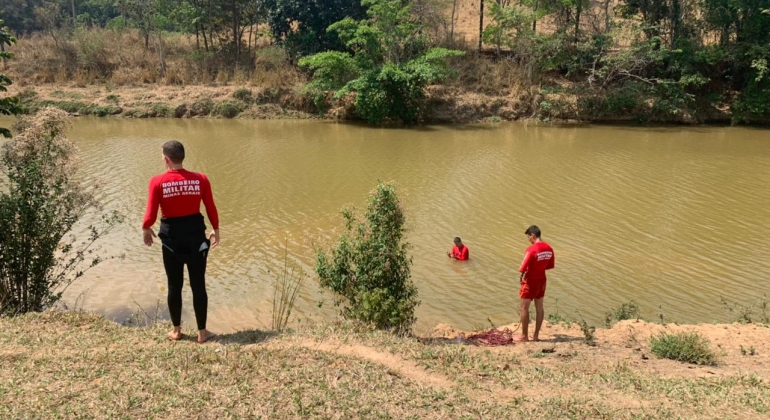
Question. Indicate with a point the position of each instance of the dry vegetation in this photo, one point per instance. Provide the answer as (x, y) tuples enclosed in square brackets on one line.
[(70, 365)]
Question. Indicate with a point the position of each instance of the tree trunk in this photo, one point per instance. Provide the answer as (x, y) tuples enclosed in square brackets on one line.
[(577, 20), (159, 48), (676, 21), (534, 21), (452, 24), (73, 11), (607, 16), (481, 23)]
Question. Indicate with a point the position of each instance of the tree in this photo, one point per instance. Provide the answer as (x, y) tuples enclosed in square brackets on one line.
[(369, 268), (301, 25), (8, 105), (389, 68), (40, 204)]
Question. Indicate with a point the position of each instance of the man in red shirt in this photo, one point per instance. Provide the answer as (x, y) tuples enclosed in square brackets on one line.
[(179, 193), (537, 260), (459, 251)]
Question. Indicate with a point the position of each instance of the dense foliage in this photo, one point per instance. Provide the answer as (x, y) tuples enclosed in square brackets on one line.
[(301, 25), (652, 60), (40, 204), (389, 64), (8, 104), (369, 268)]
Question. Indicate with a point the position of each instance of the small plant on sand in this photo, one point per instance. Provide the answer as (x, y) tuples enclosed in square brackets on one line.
[(589, 336), (369, 268), (41, 202), (626, 310), (556, 317), (286, 288), (748, 313), (751, 351), (684, 347)]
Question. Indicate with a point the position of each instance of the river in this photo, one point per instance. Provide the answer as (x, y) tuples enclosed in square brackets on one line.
[(672, 218)]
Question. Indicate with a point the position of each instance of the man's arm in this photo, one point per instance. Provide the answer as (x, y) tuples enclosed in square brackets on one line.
[(151, 214), (211, 211), (524, 265)]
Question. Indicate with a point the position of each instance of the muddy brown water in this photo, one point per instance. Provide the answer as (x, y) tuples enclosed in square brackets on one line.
[(672, 218)]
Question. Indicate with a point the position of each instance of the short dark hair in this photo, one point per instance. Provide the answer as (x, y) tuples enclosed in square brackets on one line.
[(174, 151), (457, 239), (533, 230)]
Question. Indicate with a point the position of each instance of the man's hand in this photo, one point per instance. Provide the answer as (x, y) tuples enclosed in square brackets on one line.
[(214, 238), (148, 235), (521, 278)]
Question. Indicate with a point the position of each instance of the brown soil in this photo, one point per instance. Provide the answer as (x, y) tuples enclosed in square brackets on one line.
[(628, 342)]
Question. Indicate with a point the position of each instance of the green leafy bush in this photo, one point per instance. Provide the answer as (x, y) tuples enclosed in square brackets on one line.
[(229, 108), (684, 347), (41, 202), (369, 268), (243, 94), (389, 67), (202, 107)]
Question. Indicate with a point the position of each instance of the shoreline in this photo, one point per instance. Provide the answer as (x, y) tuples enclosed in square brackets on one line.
[(87, 366), (445, 105)]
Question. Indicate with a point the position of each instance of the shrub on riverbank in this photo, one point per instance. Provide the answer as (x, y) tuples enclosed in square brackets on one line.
[(684, 347), (42, 201), (369, 267)]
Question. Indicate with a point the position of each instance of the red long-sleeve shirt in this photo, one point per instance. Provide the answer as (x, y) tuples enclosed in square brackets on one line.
[(460, 254), (179, 193)]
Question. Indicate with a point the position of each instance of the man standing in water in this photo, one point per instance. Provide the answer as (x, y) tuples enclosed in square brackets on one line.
[(459, 251), (537, 260), (179, 193)]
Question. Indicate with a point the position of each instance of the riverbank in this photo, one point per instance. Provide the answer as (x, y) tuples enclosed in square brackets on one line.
[(447, 104), (68, 365)]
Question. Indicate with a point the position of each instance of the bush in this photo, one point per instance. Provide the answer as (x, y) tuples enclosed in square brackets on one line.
[(369, 268), (626, 310), (244, 95), (683, 347), (390, 67), (40, 204), (202, 107), (229, 108), (161, 110)]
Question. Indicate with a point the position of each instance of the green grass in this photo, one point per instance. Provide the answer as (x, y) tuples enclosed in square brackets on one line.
[(626, 310), (684, 347), (74, 365)]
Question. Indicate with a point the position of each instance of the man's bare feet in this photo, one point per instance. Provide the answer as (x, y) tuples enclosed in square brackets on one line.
[(520, 339), (204, 336), (175, 335)]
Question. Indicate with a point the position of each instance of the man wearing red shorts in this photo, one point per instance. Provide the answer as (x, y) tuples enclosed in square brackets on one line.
[(179, 193), (537, 260)]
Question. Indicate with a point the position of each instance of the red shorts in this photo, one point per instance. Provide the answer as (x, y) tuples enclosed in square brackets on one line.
[(532, 289)]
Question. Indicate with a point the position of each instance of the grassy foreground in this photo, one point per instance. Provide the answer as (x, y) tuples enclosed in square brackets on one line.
[(74, 365)]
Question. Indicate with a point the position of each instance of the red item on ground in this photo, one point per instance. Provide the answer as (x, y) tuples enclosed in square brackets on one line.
[(460, 254), (491, 338), (179, 193)]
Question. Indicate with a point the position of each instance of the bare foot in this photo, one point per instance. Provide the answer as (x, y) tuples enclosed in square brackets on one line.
[(520, 339), (204, 336), (175, 335)]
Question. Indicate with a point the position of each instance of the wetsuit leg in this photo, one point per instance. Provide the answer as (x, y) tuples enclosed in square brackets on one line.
[(175, 273), (196, 267)]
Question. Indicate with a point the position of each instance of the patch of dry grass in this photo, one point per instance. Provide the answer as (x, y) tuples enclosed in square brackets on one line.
[(71, 365)]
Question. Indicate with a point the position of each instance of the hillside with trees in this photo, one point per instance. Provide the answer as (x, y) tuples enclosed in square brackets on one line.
[(649, 61)]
